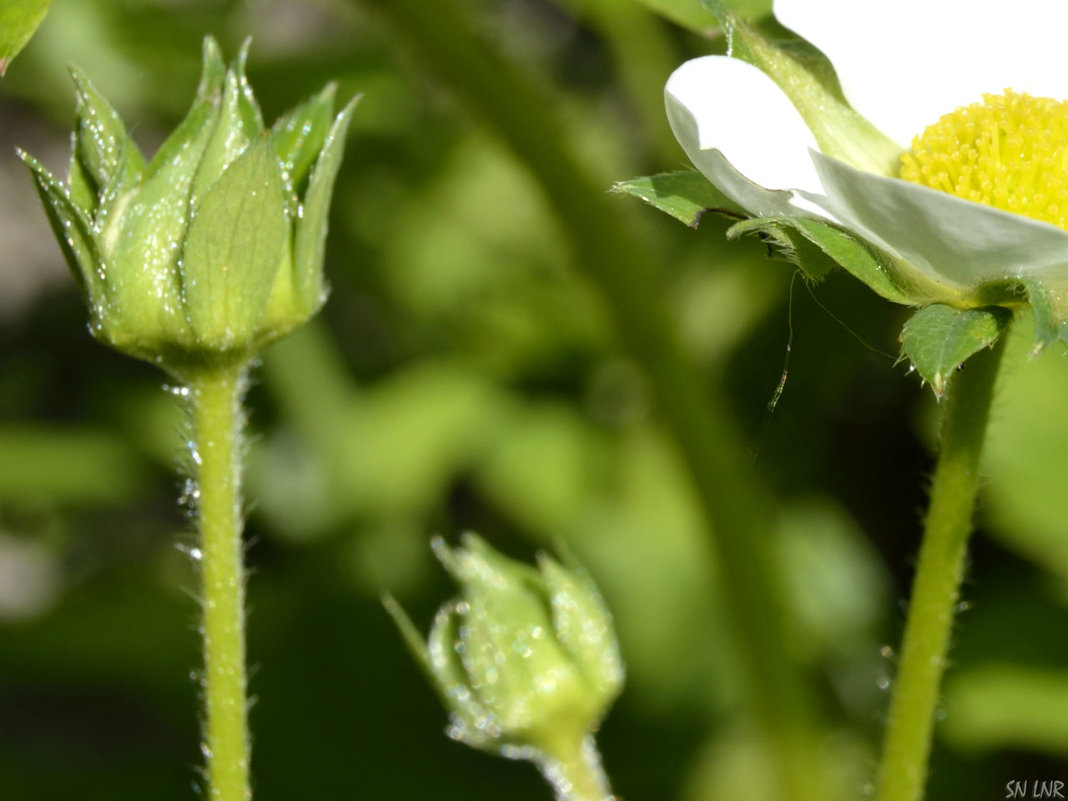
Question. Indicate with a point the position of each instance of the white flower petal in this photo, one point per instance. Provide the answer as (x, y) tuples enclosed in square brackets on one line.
[(950, 240), (726, 112), (905, 63)]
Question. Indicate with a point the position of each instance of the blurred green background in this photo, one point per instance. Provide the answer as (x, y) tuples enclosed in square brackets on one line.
[(465, 376)]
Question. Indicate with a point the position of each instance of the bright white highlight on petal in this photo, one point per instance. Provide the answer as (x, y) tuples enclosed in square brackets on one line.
[(903, 64), (716, 103)]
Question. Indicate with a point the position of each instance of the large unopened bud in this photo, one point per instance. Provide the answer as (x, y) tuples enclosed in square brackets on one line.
[(212, 249)]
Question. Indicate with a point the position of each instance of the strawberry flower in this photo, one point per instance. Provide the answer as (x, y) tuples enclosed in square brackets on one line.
[(944, 155)]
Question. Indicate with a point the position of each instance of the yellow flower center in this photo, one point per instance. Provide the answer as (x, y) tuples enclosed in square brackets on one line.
[(1009, 152)]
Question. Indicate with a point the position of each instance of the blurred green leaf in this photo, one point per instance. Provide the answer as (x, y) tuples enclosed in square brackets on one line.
[(734, 765), (18, 21), (1008, 706), (832, 575), (67, 465), (544, 466), (407, 439), (1024, 457), (685, 195), (689, 13), (389, 453), (939, 339)]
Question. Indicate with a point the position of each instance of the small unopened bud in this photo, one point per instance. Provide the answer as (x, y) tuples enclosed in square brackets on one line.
[(525, 660)]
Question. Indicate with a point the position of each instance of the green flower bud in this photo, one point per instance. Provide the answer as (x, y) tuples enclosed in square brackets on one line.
[(206, 252), (525, 660)]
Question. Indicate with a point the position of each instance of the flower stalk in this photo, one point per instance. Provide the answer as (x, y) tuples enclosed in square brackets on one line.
[(577, 774), (218, 419), (936, 588)]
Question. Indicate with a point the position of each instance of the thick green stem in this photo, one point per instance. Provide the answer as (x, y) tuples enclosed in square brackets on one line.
[(215, 395), (936, 588), (577, 775), (623, 269)]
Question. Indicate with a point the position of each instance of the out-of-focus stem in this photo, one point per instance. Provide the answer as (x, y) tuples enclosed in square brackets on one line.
[(623, 269)]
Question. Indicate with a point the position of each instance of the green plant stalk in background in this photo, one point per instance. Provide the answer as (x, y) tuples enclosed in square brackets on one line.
[(936, 588), (215, 394), (622, 268)]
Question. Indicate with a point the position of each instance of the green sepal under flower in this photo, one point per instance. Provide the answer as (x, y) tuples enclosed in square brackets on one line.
[(938, 339), (526, 661), (687, 195), (935, 343), (207, 252)]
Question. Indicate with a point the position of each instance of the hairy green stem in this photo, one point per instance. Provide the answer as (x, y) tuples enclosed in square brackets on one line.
[(577, 775), (623, 269), (215, 394), (936, 587)]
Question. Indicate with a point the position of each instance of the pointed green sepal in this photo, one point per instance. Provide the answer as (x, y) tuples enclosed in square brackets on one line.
[(102, 146), (212, 71), (939, 339), (230, 137), (788, 243), (814, 245), (114, 197), (71, 227), (299, 135), (82, 190), (470, 721), (448, 676), (145, 242), (314, 217), (1051, 314), (411, 636), (686, 195), (583, 626), (247, 105), (233, 250), (187, 142)]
